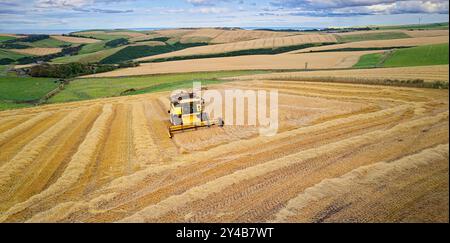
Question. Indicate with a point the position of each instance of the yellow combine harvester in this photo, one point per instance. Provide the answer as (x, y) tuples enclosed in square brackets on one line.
[(187, 112)]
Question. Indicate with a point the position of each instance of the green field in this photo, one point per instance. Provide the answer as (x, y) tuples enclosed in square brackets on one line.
[(106, 37), (414, 56), (369, 60), (245, 52), (15, 92), (7, 105), (172, 86), (92, 88), (93, 47), (419, 56), (5, 38), (133, 52), (3, 70), (433, 26), (49, 43), (89, 57), (10, 54), (372, 36)]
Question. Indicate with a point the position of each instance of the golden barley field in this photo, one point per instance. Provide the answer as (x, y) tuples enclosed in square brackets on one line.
[(283, 61), (388, 44), (343, 153), (76, 40), (38, 51), (425, 73), (248, 45), (219, 35)]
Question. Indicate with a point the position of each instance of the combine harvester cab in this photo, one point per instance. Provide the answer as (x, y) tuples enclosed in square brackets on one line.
[(187, 111)]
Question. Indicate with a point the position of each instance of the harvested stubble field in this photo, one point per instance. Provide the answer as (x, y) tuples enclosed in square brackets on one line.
[(341, 149), (407, 42), (75, 40), (248, 45), (411, 33), (218, 36), (253, 62), (38, 51), (11, 35), (130, 34), (426, 33), (89, 57), (425, 73)]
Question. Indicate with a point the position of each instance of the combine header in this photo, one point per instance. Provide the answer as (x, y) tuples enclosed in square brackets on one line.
[(187, 112)]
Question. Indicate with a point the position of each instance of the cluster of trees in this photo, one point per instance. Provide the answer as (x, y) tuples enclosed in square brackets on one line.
[(161, 39), (342, 30), (117, 42), (133, 52), (80, 36), (259, 51), (69, 70), (30, 38), (13, 46), (128, 64), (64, 52), (6, 61)]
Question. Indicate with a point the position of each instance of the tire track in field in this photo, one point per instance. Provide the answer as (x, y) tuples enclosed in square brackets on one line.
[(201, 192), (339, 94), (258, 199), (184, 173), (186, 177), (270, 150), (360, 180)]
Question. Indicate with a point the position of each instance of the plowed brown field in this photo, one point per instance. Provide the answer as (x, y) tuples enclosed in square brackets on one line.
[(343, 153)]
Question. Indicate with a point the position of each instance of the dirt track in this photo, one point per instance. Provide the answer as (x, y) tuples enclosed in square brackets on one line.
[(340, 150)]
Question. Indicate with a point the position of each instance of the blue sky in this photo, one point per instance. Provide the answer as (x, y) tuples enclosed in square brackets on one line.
[(37, 15)]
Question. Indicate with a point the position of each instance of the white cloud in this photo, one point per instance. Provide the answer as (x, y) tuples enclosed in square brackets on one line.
[(201, 2), (209, 2), (210, 10), (62, 3), (361, 7)]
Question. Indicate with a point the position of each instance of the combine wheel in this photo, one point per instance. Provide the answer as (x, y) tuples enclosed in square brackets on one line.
[(221, 123)]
